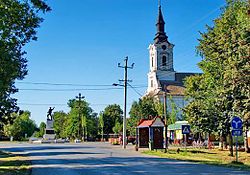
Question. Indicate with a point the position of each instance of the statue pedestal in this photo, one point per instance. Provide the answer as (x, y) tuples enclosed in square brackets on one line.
[(49, 131)]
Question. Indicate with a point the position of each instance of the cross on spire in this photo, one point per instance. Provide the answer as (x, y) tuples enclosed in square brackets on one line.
[(159, 3)]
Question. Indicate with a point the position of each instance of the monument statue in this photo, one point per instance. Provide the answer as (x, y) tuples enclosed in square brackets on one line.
[(49, 113), (49, 135)]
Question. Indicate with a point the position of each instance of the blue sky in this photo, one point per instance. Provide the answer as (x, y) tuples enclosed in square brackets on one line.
[(82, 41)]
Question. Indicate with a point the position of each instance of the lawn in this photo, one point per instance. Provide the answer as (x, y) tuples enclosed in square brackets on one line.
[(11, 164), (214, 157)]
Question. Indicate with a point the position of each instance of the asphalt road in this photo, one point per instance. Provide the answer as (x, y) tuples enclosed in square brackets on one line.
[(102, 158)]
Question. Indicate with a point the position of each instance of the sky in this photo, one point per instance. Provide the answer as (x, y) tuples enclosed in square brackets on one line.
[(81, 42)]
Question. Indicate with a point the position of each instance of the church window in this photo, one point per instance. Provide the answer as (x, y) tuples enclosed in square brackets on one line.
[(152, 83), (152, 61), (164, 61)]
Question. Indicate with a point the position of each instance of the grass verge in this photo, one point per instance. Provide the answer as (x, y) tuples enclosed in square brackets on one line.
[(212, 157), (11, 164)]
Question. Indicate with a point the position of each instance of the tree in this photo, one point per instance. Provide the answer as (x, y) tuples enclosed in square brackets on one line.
[(82, 121), (19, 20), (73, 124), (111, 114), (174, 111), (142, 109), (22, 127), (101, 123), (60, 123), (41, 130), (117, 128), (92, 126), (223, 90)]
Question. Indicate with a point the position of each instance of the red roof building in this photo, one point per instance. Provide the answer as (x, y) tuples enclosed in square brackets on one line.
[(150, 133)]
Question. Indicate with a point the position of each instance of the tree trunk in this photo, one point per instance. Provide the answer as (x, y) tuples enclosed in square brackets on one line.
[(246, 140), (221, 143), (208, 141), (102, 134), (224, 141)]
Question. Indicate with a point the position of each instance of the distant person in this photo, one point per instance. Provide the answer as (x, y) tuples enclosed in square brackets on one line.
[(49, 115)]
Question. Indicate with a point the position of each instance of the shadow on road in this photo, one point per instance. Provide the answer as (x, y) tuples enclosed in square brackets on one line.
[(43, 147), (133, 165), (58, 153)]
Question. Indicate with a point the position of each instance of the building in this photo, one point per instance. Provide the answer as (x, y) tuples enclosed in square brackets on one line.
[(162, 78), (149, 133)]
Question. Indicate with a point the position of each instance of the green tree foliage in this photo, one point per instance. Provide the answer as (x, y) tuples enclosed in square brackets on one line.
[(82, 122), (173, 113), (60, 124), (21, 127), (92, 126), (41, 131), (142, 109), (73, 125), (223, 90), (112, 113), (117, 128), (101, 124), (19, 20)]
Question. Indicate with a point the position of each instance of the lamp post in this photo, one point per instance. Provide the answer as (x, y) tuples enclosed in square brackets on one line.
[(80, 97), (165, 118), (124, 138), (247, 149)]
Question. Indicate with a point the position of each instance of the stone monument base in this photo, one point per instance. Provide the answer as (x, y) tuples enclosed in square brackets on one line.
[(49, 131), (49, 134)]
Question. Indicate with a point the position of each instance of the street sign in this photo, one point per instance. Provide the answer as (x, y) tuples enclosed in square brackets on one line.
[(185, 129), (236, 123), (237, 132)]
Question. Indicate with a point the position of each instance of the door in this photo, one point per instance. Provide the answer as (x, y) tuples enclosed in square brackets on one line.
[(143, 137), (158, 137)]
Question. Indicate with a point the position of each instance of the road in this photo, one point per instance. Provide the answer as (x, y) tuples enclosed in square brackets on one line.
[(102, 158)]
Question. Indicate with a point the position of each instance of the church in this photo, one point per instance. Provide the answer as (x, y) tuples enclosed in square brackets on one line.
[(162, 78)]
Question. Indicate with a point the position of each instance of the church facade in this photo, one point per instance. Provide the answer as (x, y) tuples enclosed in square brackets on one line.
[(162, 78)]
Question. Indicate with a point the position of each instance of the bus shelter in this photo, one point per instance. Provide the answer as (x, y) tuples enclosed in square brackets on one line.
[(149, 133)]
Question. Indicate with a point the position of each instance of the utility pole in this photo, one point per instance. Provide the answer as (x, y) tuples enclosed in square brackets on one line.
[(165, 118), (125, 67), (80, 97)]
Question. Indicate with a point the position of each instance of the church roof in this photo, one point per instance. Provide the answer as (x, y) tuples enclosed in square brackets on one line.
[(172, 87), (179, 77)]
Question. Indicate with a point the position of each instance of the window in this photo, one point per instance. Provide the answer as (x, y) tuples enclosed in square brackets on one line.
[(152, 63), (152, 83), (164, 61)]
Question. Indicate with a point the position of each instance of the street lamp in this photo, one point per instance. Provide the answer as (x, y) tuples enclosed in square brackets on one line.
[(125, 67), (165, 91), (124, 139)]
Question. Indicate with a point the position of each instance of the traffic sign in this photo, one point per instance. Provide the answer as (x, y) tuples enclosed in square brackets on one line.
[(236, 123), (185, 129), (237, 132)]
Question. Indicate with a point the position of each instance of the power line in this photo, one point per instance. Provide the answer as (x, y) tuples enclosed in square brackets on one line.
[(58, 104), (84, 89), (60, 84), (135, 90), (41, 104), (70, 84)]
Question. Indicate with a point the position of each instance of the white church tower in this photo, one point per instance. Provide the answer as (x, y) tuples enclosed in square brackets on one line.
[(160, 56), (162, 78)]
